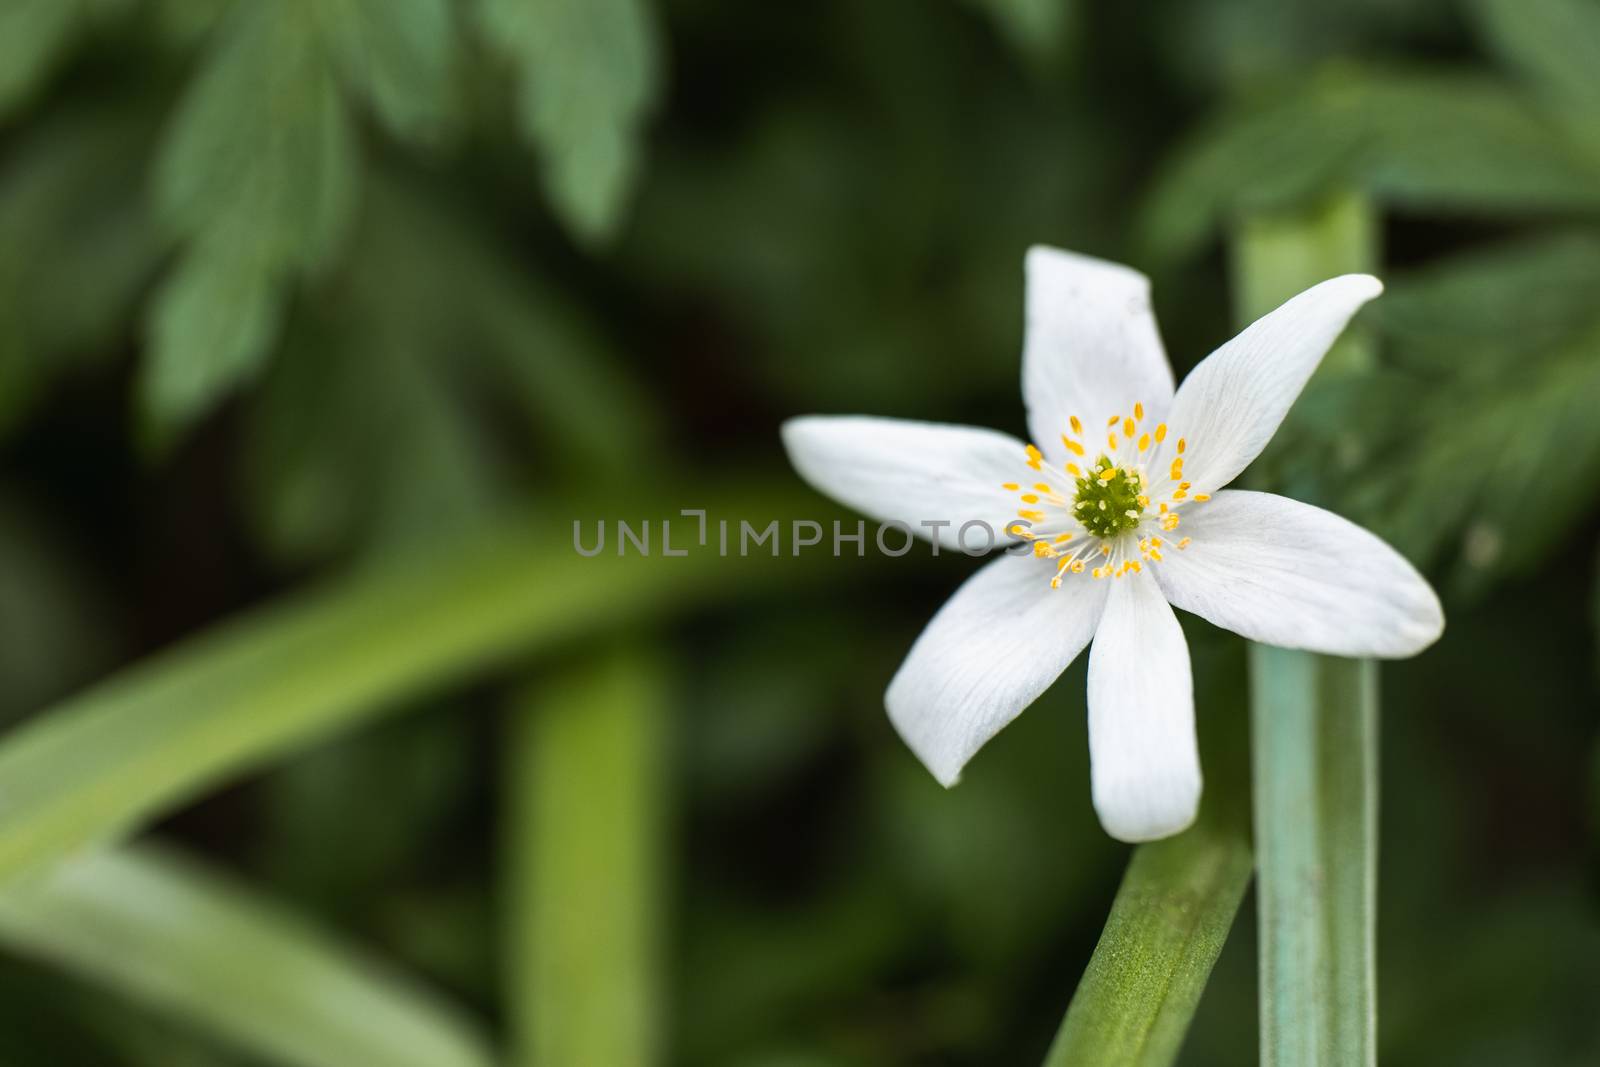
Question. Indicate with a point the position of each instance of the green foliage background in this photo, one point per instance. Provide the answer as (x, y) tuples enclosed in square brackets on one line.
[(320, 320)]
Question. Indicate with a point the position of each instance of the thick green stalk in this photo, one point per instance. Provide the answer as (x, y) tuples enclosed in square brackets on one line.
[(234, 697), (583, 833), (1314, 725)]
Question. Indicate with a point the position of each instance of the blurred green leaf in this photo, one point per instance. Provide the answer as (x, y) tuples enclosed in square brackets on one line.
[(429, 325), (399, 55), (585, 825), (34, 34), (257, 176), (1037, 29), (1555, 44), (588, 73), (76, 245), (160, 928), (232, 698), (1450, 143)]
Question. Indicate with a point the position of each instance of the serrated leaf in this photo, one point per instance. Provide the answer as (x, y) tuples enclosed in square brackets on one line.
[(398, 55), (587, 74), (257, 176), (212, 322), (260, 155), (158, 927)]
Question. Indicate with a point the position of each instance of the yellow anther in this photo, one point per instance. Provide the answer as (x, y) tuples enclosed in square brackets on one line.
[(1041, 549), (1012, 486), (1179, 494), (1138, 411), (1077, 566), (1127, 427), (1155, 555), (1055, 583), (1163, 508), (1074, 470), (1144, 442), (1161, 432), (1072, 446), (1043, 487), (1182, 444), (1135, 565), (1035, 516), (1201, 498), (1063, 538), (1111, 439), (1113, 420), (1077, 427), (1144, 501), (1018, 530), (1029, 498), (1184, 543), (1108, 474), (1034, 457), (1105, 550)]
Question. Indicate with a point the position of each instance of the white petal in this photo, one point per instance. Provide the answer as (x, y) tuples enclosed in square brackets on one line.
[(1091, 348), (1143, 757), (994, 647), (912, 472), (1229, 407), (1286, 573)]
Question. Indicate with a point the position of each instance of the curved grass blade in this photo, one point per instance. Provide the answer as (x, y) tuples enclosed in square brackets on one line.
[(249, 690), (162, 930)]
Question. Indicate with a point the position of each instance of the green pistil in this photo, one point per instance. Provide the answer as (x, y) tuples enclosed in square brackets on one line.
[(1108, 508)]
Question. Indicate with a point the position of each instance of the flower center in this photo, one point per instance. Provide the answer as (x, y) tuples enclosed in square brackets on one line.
[(1109, 499), (1108, 517)]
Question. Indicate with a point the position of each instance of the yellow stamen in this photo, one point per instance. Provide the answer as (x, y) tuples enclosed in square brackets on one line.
[(1034, 456), (1013, 486), (1074, 470), (1042, 487), (1138, 411), (1182, 444), (1029, 498), (1144, 442), (1077, 427), (1111, 439), (1161, 432), (1072, 446), (1113, 420), (1201, 498), (1035, 516), (1127, 427)]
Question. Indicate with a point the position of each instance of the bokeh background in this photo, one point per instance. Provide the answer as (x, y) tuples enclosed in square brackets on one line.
[(309, 306)]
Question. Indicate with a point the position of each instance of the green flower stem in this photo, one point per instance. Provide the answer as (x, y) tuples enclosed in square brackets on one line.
[(1166, 928), (234, 697), (1314, 726), (583, 841)]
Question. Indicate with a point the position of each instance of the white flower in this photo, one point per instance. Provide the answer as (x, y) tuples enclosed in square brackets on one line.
[(1118, 513)]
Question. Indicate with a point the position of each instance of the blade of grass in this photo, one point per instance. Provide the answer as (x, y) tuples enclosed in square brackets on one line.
[(251, 689), (583, 845), (1314, 728), (160, 929)]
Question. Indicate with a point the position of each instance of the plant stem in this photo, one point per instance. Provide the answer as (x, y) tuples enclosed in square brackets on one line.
[(586, 793), (1314, 726)]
